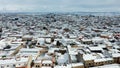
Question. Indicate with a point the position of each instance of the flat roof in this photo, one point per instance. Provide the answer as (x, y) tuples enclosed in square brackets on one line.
[(102, 59), (108, 66), (88, 57), (77, 64), (95, 48), (116, 54), (13, 61), (47, 62), (45, 67), (31, 49)]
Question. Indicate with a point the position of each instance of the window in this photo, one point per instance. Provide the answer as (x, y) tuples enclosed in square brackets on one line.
[(13, 65), (49, 65), (42, 64), (89, 63), (2, 66), (45, 64), (7, 65), (37, 66)]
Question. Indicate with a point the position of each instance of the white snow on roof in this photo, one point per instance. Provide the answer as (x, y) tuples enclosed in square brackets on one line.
[(51, 50), (46, 62), (62, 59), (97, 39), (45, 67), (102, 59), (27, 36), (86, 40), (95, 48), (32, 49), (77, 64), (108, 66), (73, 58), (88, 57), (116, 54), (37, 61), (41, 41), (13, 61), (2, 44), (62, 66), (48, 40)]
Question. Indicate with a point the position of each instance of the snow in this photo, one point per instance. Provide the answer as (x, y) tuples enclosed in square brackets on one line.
[(73, 58), (77, 64), (100, 60), (41, 41), (47, 62), (48, 40), (32, 49), (2, 44), (61, 67), (96, 48), (37, 61), (97, 39), (27, 52), (108, 66), (51, 50), (88, 57), (62, 59), (116, 55), (45, 67), (27, 36), (85, 40), (72, 51), (13, 61)]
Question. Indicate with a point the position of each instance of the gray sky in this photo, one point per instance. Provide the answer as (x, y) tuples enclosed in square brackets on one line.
[(60, 5)]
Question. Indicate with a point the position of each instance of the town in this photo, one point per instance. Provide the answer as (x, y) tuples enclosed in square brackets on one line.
[(59, 40)]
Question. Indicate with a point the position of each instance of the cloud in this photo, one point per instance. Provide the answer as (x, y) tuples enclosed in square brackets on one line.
[(61, 5)]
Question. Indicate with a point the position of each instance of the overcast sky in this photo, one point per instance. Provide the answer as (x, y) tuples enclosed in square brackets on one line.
[(60, 5)]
